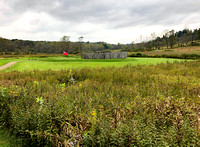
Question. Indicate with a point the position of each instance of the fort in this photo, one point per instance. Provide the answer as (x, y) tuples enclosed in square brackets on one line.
[(104, 55)]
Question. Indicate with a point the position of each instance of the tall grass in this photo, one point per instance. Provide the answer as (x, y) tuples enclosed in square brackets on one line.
[(155, 105), (7, 139)]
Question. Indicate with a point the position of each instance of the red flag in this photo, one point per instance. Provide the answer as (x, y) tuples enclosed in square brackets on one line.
[(65, 53)]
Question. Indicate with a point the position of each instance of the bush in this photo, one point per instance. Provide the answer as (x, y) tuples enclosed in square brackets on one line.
[(194, 43), (182, 56), (190, 56), (138, 55)]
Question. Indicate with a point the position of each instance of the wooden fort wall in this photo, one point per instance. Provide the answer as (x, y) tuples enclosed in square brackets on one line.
[(106, 55)]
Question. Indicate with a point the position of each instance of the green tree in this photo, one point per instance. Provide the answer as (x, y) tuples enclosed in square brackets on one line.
[(166, 37), (80, 42), (106, 46), (172, 39), (65, 43)]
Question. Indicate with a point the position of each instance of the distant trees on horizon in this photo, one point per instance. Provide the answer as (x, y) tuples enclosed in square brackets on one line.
[(169, 39), (26, 46)]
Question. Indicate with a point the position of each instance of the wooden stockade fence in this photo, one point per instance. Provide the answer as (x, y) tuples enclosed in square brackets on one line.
[(105, 55)]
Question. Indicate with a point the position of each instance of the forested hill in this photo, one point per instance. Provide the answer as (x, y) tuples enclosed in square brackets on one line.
[(27, 46), (180, 38), (169, 39)]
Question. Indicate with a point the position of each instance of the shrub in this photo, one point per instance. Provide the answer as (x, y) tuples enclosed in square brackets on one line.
[(138, 55)]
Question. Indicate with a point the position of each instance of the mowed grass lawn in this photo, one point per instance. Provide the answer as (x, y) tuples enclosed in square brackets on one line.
[(57, 63), (4, 61)]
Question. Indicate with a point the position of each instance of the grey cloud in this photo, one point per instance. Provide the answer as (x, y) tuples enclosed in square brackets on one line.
[(114, 13), (163, 13)]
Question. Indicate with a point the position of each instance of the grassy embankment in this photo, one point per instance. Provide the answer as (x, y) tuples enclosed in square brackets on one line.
[(181, 53), (156, 105), (176, 51)]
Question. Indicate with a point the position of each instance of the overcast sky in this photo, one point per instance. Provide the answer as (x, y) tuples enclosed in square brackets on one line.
[(111, 21)]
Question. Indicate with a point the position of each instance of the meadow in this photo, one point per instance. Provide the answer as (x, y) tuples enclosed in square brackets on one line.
[(102, 103)]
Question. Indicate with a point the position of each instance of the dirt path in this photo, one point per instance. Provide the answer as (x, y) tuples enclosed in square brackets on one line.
[(7, 65)]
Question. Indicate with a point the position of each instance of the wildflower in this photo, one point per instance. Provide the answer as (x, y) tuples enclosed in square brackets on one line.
[(13, 93), (35, 83), (94, 113), (39, 100), (4, 91), (72, 80), (63, 85), (93, 119)]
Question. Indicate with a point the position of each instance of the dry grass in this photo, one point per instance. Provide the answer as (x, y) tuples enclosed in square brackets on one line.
[(175, 51)]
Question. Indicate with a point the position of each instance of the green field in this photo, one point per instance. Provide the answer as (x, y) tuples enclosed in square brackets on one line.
[(57, 63)]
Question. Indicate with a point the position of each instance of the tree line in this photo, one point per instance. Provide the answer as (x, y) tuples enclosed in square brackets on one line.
[(17, 46), (169, 39)]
